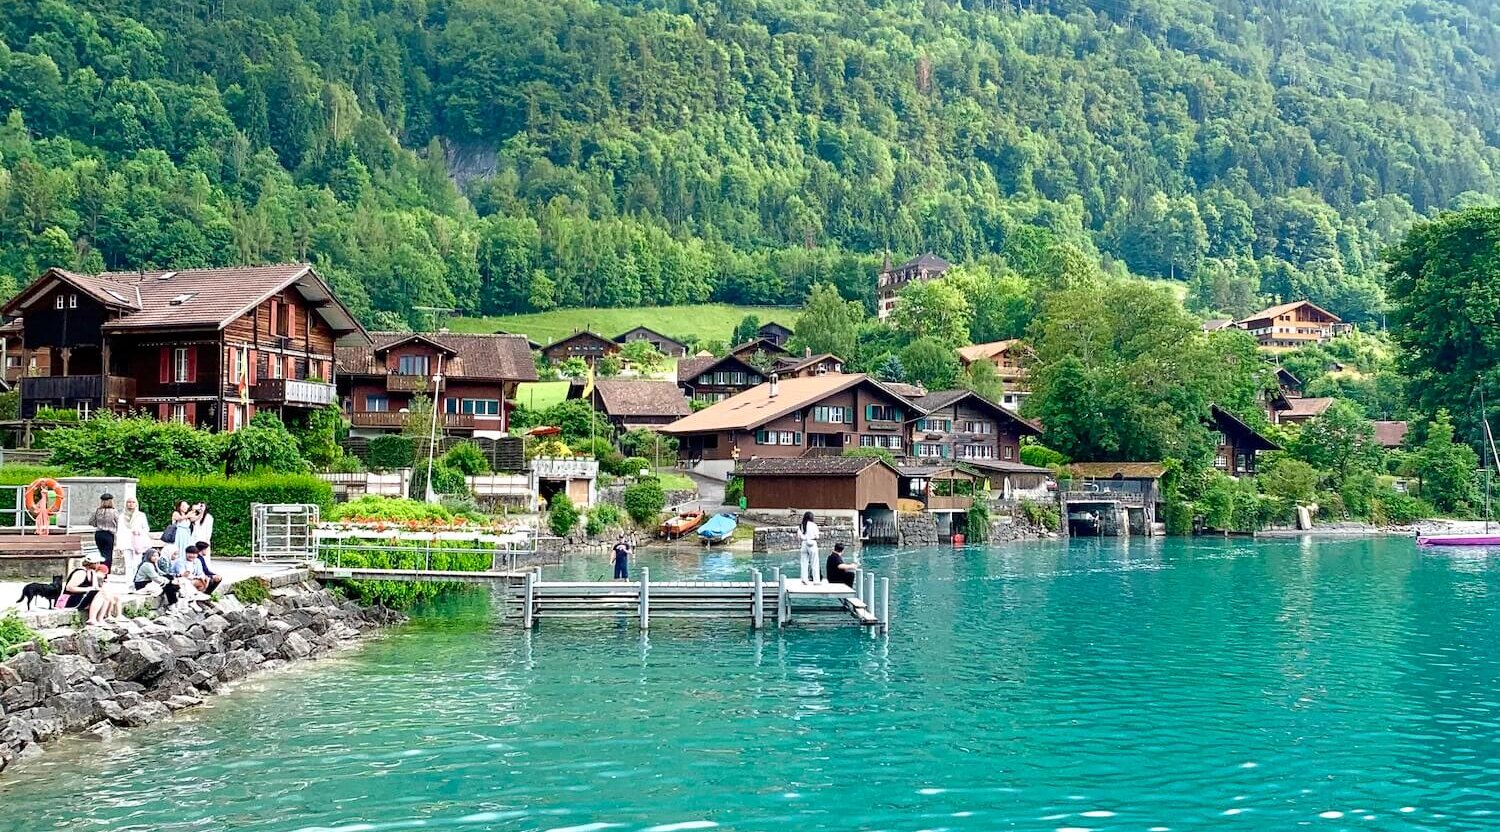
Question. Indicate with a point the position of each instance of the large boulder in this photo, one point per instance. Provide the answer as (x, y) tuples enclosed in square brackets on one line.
[(27, 666), (16, 731), (74, 710), (295, 647), (142, 660), (20, 696), (145, 713), (184, 647)]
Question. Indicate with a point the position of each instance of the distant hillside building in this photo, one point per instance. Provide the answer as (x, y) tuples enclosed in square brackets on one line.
[(1292, 325), (666, 345), (775, 333), (582, 344), (1007, 356), (922, 267)]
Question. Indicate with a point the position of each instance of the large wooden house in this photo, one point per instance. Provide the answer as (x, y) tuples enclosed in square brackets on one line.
[(892, 279), (666, 345), (811, 415), (631, 403), (208, 347), (1236, 443), (707, 380), (1291, 325), (582, 344), (379, 381), (1008, 358)]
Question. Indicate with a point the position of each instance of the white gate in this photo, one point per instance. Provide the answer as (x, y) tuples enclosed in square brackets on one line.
[(283, 531)]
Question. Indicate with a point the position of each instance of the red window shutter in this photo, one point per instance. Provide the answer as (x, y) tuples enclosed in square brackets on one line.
[(250, 365), (291, 320), (192, 357), (163, 413), (192, 411), (249, 413), (166, 364), (275, 311)]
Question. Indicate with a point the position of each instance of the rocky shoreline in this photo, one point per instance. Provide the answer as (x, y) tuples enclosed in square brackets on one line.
[(97, 680)]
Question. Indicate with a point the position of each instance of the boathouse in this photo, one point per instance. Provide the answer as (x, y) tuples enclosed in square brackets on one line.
[(1112, 499), (856, 488)]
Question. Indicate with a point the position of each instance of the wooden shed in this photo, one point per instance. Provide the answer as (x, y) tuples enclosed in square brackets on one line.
[(820, 483)]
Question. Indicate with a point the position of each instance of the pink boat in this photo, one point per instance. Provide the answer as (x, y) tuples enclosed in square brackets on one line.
[(1460, 540)]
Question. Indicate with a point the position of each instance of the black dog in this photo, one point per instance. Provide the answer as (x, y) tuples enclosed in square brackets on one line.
[(50, 591)]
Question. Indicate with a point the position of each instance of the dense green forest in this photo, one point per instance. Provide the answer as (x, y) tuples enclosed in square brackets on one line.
[(513, 155)]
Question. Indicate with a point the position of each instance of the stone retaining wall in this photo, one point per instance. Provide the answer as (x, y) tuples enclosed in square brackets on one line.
[(916, 529), (782, 538), (136, 671)]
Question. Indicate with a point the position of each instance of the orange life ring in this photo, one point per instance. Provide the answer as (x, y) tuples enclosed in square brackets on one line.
[(37, 491)]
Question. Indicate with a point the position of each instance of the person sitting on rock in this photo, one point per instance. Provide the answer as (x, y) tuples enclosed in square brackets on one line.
[(191, 568), (147, 575)]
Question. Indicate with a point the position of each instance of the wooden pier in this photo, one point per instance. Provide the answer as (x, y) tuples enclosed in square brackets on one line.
[(779, 601)]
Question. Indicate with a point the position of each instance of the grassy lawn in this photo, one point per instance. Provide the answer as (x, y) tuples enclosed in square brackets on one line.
[(541, 394), (673, 481), (708, 320)]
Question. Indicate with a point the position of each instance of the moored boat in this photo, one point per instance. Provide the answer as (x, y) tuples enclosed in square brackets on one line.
[(674, 527), (718, 529), (1480, 539)]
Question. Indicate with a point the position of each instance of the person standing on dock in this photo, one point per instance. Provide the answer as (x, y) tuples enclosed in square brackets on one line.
[(622, 560), (105, 521), (807, 535)]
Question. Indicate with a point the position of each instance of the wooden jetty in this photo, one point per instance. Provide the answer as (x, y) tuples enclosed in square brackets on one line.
[(779, 601)]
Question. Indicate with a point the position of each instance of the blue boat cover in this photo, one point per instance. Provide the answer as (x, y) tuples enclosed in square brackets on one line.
[(718, 527)]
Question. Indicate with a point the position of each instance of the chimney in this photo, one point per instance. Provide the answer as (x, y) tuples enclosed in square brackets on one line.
[(774, 385)]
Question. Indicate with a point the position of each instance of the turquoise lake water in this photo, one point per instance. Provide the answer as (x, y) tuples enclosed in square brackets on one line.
[(1167, 685)]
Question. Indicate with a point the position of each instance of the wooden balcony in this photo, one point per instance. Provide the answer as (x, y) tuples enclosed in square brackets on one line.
[(287, 391), (397, 383), (116, 390), (397, 419), (957, 502)]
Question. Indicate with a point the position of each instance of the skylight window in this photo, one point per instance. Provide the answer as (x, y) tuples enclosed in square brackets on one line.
[(117, 296), (181, 299)]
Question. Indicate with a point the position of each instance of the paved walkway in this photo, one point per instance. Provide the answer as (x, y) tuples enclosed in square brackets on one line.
[(233, 569)]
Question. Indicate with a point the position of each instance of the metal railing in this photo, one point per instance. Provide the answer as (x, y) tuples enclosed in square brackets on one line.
[(15, 517), (506, 552), (293, 391)]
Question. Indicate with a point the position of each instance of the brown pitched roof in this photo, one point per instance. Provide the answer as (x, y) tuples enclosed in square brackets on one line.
[(810, 466), (1007, 467), (755, 345), (640, 397), (975, 352), (1305, 408), (792, 364), (477, 356), (756, 406), (1390, 434), (927, 260), (945, 398), (1125, 470), (581, 334), (1283, 308), (690, 368), (620, 339), (196, 298), (1233, 422)]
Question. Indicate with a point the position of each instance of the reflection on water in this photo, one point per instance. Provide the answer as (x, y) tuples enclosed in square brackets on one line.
[(1138, 685)]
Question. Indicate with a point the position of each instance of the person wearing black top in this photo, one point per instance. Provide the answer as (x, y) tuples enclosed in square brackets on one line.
[(837, 571), (622, 560)]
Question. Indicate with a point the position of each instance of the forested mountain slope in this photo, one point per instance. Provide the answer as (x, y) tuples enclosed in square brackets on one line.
[(615, 153)]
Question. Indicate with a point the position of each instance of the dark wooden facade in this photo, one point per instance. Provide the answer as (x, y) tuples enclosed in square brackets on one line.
[(668, 346), (963, 426), (1237, 443), (585, 345), (774, 332), (818, 488), (709, 380)]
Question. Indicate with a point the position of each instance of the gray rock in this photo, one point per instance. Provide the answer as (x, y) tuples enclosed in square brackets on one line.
[(296, 647), (129, 699), (142, 660), (101, 732), (23, 695), (9, 678), (126, 687), (46, 729), (269, 643), (146, 713), (111, 710), (27, 666), (62, 672), (184, 647), (215, 624), (74, 710), (16, 731), (177, 703)]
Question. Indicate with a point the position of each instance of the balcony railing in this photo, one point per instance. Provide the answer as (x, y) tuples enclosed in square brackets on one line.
[(396, 419), (397, 383), (96, 388), (294, 392)]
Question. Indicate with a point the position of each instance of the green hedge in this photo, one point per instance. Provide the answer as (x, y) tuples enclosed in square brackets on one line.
[(17, 474), (389, 452), (228, 500)]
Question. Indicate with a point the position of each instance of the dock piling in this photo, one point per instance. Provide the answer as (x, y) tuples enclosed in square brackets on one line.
[(885, 604), (758, 611), (870, 592), (526, 610), (645, 598), (781, 610)]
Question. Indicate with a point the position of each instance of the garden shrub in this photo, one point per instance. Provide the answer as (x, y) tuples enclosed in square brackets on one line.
[(14, 633), (347, 464), (134, 446), (649, 444), (592, 526), (734, 491), (229, 501), (251, 591), (445, 481), (977, 523), (55, 414), (1402, 509), (1042, 515), (608, 513), (371, 507), (878, 453), (1041, 456), (318, 440), (18, 474), (265, 446), (466, 458), (644, 501), (562, 516), (390, 451), (632, 466)]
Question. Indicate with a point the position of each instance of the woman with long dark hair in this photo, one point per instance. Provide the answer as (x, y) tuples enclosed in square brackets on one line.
[(807, 535)]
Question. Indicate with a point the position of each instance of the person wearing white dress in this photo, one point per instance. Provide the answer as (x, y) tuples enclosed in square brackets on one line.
[(134, 536), (807, 536)]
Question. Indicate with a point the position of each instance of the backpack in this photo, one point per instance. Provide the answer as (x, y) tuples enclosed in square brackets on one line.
[(169, 534)]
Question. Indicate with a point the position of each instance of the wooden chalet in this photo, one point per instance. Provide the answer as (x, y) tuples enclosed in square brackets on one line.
[(808, 365), (708, 380), (208, 347), (922, 267), (378, 382), (822, 483), (1391, 434), (582, 344), (1288, 326), (670, 347), (770, 349), (1304, 409), (794, 417), (1008, 357), (629, 404), (774, 332), (1236, 443), (963, 425)]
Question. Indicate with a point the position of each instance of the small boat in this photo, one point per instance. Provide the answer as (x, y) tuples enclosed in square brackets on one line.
[(1490, 539), (718, 529), (675, 527)]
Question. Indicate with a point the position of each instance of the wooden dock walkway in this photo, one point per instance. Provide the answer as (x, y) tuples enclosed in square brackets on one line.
[(780, 601)]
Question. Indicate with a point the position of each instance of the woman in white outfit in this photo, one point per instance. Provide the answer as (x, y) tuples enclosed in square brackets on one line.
[(133, 538), (807, 535)]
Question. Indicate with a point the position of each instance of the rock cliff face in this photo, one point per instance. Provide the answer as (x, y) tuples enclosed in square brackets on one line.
[(136, 671)]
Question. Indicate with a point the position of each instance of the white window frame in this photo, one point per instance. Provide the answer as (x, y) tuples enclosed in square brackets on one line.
[(73, 301), (84, 409), (179, 413), (58, 304), (179, 364)]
